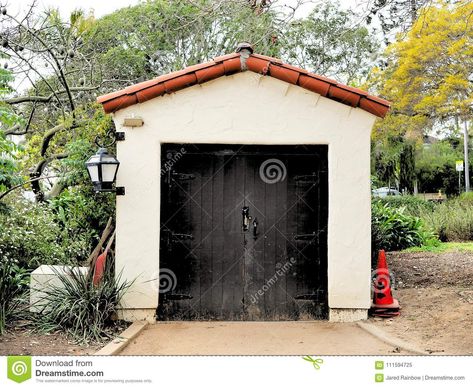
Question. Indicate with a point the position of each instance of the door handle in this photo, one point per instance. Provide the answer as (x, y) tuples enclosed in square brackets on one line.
[(255, 228), (245, 224)]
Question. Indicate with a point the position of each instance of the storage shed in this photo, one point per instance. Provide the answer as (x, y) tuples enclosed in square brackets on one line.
[(247, 193)]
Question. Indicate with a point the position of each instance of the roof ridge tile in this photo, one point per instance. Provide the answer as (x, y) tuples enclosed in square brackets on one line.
[(231, 63)]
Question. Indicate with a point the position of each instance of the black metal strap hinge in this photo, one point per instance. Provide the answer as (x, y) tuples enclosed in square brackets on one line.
[(181, 236), (182, 177), (305, 237), (312, 178)]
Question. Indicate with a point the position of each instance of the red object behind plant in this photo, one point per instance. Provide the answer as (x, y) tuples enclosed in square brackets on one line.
[(100, 263)]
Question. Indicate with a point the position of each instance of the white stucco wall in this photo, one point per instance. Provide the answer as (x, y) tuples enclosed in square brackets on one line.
[(247, 108)]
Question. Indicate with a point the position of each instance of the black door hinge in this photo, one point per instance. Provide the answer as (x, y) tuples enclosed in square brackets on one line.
[(305, 237), (181, 177)]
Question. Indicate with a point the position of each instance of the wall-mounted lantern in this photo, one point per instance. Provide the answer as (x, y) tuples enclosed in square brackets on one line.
[(102, 168)]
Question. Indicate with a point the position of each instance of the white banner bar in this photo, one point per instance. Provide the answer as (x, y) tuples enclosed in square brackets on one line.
[(235, 371)]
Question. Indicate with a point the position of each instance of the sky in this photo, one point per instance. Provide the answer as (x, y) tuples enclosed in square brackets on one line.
[(103, 7), (100, 7)]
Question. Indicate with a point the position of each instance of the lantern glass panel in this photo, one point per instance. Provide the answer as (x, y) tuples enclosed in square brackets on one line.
[(93, 172), (108, 172)]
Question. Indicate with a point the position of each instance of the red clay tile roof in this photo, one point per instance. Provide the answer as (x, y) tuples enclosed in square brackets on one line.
[(230, 64)]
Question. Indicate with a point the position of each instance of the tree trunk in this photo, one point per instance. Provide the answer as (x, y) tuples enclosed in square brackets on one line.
[(407, 169), (465, 151)]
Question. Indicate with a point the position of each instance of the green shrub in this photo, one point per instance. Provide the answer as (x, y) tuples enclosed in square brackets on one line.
[(13, 282), (413, 205), (81, 309), (393, 229), (82, 215), (30, 236), (452, 220), (61, 231)]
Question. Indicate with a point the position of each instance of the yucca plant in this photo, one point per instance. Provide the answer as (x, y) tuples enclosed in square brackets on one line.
[(77, 306)]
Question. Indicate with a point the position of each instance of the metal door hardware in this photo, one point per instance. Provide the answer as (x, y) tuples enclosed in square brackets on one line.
[(246, 218), (255, 228), (312, 178), (182, 177), (305, 237)]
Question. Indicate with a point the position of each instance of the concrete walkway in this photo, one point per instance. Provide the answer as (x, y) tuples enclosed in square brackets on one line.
[(256, 338)]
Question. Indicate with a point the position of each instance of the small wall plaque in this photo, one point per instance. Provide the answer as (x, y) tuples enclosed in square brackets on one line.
[(133, 122)]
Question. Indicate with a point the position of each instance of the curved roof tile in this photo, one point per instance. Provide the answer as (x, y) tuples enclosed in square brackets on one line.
[(232, 63)]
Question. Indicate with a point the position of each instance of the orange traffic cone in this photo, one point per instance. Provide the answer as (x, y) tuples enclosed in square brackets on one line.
[(384, 305)]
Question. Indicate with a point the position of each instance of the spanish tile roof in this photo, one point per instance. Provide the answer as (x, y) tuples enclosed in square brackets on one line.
[(238, 62)]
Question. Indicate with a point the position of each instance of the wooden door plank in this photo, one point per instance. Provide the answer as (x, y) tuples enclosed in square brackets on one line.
[(217, 235), (282, 239), (233, 182), (206, 260), (237, 269), (255, 195), (292, 254), (270, 234)]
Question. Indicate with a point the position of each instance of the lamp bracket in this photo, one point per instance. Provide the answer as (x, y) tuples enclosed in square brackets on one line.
[(108, 140), (119, 190), (119, 136)]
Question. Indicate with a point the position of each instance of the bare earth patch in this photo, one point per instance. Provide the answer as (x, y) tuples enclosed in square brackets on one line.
[(435, 291), (23, 341), (427, 269)]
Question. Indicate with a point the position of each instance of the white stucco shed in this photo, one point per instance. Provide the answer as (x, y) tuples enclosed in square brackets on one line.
[(245, 99)]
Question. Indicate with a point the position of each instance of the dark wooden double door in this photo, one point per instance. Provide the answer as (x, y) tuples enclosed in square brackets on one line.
[(243, 232)]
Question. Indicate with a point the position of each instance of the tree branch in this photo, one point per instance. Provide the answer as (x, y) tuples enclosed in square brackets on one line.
[(14, 129), (45, 99), (37, 72), (5, 193), (62, 77), (36, 173), (48, 137)]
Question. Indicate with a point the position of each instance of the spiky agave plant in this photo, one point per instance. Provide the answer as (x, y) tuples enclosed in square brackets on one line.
[(77, 306)]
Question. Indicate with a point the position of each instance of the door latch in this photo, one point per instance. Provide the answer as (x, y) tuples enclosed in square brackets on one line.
[(246, 218), (255, 228)]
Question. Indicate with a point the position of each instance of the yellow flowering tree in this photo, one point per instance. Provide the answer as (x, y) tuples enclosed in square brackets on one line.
[(431, 69), (428, 75)]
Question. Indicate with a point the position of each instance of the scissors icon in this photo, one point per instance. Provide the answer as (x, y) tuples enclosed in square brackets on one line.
[(315, 362)]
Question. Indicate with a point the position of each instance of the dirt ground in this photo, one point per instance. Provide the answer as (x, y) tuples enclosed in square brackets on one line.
[(426, 269), (435, 291), (20, 340)]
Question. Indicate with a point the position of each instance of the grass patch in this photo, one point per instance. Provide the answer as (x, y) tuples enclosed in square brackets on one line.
[(444, 247)]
